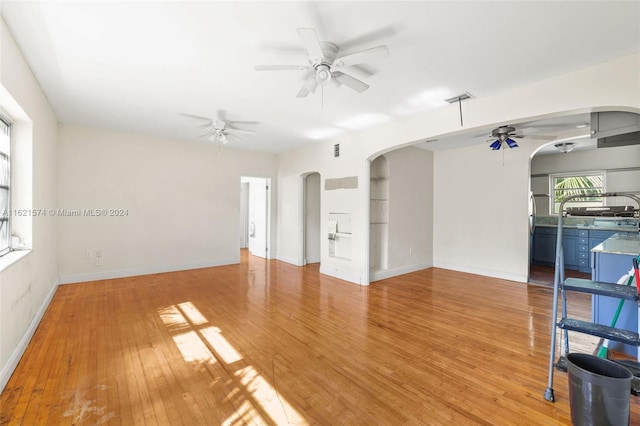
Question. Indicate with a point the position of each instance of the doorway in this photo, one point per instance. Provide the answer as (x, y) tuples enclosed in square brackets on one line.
[(255, 207), (311, 224)]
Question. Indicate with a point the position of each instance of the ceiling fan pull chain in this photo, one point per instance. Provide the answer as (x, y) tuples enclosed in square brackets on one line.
[(460, 105)]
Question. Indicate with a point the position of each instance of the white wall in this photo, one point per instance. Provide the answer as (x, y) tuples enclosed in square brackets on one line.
[(480, 214), (410, 232), (27, 286), (497, 243), (617, 163), (182, 201)]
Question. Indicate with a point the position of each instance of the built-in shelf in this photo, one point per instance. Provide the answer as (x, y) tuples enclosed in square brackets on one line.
[(343, 234), (379, 214)]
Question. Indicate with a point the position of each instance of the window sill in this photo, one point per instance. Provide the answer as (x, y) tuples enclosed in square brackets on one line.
[(12, 257)]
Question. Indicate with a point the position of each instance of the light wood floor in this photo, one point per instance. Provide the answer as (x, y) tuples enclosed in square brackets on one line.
[(265, 342)]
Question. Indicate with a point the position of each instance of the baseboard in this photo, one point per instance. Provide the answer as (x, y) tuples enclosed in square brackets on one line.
[(132, 272), (521, 278), (12, 362), (355, 278), (287, 259), (388, 273)]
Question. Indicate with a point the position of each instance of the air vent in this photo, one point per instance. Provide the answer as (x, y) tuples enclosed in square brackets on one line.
[(464, 96), (336, 150)]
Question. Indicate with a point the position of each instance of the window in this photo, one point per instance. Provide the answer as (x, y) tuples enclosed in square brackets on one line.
[(589, 184), (5, 189)]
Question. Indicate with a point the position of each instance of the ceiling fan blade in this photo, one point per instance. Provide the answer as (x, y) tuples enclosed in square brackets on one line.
[(335, 83), (542, 137), (281, 67), (229, 131), (351, 82), (309, 86), (311, 42), (369, 38), (206, 134), (362, 57), (196, 116), (233, 123)]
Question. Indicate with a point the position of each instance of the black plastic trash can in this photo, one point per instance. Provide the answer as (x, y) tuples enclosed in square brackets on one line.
[(599, 391)]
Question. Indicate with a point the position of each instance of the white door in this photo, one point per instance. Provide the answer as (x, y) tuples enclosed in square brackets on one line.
[(259, 217), (244, 215)]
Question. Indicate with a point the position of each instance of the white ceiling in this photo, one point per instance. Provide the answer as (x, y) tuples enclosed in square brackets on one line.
[(136, 66)]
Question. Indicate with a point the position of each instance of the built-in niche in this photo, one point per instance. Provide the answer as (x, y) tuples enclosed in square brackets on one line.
[(379, 215), (339, 233)]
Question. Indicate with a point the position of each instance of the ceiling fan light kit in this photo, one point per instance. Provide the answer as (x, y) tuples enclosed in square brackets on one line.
[(221, 130), (565, 147)]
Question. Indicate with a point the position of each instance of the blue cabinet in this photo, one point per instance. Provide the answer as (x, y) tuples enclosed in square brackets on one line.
[(570, 248), (584, 248), (576, 244), (544, 247)]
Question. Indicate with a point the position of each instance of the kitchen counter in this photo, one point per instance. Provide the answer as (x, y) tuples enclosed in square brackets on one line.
[(611, 224), (591, 227), (620, 244)]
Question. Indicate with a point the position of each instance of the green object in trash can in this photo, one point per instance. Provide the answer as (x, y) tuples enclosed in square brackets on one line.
[(599, 391)]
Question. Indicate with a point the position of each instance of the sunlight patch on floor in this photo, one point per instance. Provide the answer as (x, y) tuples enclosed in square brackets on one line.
[(192, 348), (192, 313), (214, 337), (278, 408), (205, 343)]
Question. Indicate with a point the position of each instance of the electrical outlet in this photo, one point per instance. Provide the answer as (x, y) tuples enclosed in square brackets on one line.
[(99, 253), (98, 261), (89, 254), (410, 251)]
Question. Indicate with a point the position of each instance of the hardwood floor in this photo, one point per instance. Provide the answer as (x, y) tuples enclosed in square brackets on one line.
[(543, 275), (264, 342)]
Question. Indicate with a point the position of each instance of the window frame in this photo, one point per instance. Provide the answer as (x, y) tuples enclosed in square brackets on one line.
[(6, 215), (552, 186)]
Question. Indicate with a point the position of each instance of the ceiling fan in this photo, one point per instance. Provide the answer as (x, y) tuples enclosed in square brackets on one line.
[(504, 135), (325, 65), (507, 134), (220, 129)]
